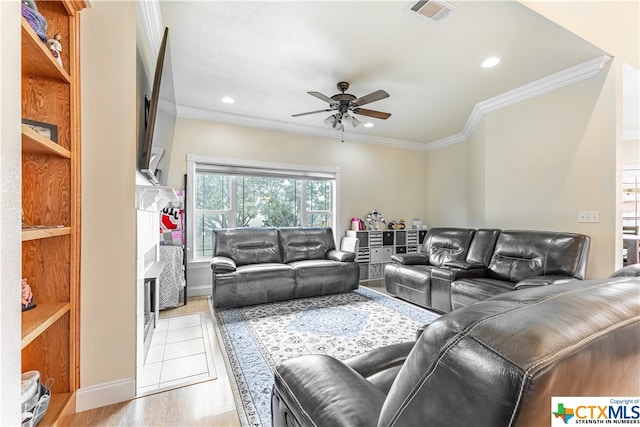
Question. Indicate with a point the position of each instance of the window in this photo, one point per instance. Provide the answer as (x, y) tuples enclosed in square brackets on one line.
[(230, 194)]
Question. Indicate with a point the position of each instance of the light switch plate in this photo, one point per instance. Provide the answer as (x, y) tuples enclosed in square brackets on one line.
[(588, 216)]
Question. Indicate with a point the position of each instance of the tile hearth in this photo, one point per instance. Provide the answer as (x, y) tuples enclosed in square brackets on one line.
[(179, 354)]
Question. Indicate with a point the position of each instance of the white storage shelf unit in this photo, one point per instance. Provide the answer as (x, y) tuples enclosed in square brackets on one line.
[(375, 248)]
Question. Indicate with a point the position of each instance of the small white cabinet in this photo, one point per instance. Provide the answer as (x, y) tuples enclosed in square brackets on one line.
[(375, 248)]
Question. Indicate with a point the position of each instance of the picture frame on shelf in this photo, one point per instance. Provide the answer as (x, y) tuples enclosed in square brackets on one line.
[(47, 130)]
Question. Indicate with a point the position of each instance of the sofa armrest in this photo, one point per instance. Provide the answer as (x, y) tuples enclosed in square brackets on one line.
[(442, 277), (411, 259), (464, 265), (320, 390), (381, 365), (222, 264), (632, 270), (451, 274), (343, 256), (380, 359), (533, 282)]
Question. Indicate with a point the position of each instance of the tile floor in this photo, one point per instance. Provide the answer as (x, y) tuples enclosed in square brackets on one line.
[(180, 353)]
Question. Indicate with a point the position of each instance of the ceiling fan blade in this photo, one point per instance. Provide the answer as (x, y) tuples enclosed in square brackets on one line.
[(311, 112), (373, 96), (322, 97), (372, 113)]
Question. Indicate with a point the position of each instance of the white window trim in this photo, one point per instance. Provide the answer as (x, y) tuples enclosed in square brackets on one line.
[(223, 163)]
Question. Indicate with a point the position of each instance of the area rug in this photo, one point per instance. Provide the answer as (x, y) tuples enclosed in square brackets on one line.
[(257, 338)]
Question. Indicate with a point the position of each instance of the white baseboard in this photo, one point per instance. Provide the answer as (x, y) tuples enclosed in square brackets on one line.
[(105, 394), (198, 291)]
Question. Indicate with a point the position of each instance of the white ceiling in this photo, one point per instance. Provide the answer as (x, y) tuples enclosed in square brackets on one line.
[(267, 55)]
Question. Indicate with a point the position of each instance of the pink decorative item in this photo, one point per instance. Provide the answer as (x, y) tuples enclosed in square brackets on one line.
[(356, 224)]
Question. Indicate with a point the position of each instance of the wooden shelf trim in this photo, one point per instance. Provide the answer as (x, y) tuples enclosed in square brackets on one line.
[(36, 58), (38, 319), (44, 232), (33, 142)]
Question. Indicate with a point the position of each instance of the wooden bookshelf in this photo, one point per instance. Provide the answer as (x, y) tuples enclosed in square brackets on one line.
[(38, 319), (51, 201), (33, 233), (36, 58), (33, 142)]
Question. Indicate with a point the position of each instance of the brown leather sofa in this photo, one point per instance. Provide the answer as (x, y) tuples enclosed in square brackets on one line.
[(460, 266), (494, 363), (267, 264)]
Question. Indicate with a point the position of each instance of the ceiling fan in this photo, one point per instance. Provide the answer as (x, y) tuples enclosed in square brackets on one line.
[(344, 103)]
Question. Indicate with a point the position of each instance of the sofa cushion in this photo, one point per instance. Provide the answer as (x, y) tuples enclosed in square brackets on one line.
[(322, 277), (447, 244), (482, 245), (254, 284), (409, 282), (302, 243), (247, 245), (468, 291)]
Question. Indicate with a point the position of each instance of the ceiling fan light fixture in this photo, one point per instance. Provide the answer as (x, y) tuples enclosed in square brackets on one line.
[(344, 106), (334, 122), (330, 121)]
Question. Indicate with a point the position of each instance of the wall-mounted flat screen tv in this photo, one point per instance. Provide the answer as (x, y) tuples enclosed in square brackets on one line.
[(155, 152)]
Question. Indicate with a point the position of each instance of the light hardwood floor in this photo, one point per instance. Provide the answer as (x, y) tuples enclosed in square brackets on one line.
[(208, 403)]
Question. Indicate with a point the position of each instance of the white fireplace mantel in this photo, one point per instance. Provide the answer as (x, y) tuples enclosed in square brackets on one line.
[(155, 198)]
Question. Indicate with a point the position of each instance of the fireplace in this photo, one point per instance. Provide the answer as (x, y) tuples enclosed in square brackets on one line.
[(149, 313)]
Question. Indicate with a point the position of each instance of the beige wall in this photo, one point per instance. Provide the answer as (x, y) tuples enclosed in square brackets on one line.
[(447, 193), (390, 180), (534, 165), (552, 156), (107, 351), (477, 177)]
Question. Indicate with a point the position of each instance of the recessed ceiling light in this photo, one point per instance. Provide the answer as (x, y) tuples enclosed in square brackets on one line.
[(490, 62), (228, 100), (368, 125)]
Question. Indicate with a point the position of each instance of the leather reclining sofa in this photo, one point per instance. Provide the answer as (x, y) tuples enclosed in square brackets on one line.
[(460, 266), (494, 363), (261, 265)]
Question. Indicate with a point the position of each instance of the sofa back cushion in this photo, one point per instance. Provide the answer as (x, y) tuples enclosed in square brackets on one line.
[(447, 244), (247, 245), (482, 245), (522, 254), (304, 243)]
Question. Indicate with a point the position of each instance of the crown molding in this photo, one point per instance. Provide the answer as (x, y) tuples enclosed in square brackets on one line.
[(566, 77), (151, 19), (275, 125), (544, 85)]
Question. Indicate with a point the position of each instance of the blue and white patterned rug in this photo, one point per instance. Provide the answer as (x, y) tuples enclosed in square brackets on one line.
[(257, 338)]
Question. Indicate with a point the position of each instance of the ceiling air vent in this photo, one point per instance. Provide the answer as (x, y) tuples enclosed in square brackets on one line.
[(433, 9)]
